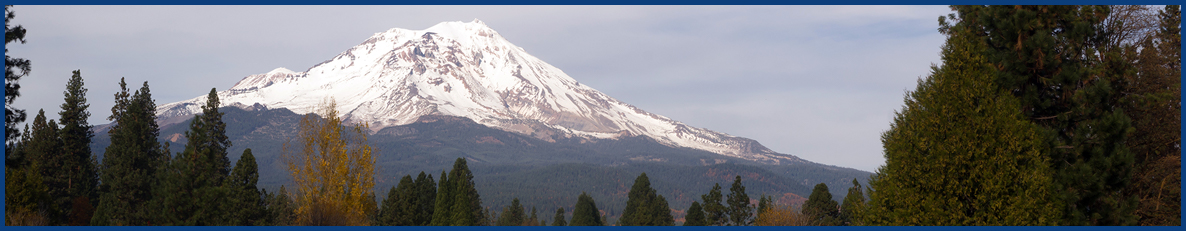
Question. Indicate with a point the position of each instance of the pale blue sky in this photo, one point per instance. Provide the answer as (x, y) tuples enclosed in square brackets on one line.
[(818, 82)]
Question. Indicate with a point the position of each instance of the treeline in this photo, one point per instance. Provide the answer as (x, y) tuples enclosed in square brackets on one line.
[(53, 180)]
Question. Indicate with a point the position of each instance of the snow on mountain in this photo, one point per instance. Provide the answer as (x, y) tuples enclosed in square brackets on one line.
[(466, 70)]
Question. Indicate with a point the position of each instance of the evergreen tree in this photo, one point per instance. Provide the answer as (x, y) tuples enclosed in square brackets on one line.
[(853, 204), (247, 206), (715, 212), (426, 192), (764, 202), (15, 156), (820, 207), (442, 209), (467, 205), (695, 216), (511, 215), (533, 220), (489, 218), (43, 148), (399, 208), (960, 152), (78, 168), (644, 207), (280, 208), (559, 220), (586, 213), (193, 192), (662, 211), (1059, 63), (14, 69), (25, 196), (740, 211), (458, 202), (131, 162)]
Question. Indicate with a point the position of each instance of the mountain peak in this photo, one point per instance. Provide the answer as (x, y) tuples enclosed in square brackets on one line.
[(281, 71), (466, 69)]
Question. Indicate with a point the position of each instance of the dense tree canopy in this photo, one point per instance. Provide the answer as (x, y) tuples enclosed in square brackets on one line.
[(1153, 100), (1066, 73), (961, 153)]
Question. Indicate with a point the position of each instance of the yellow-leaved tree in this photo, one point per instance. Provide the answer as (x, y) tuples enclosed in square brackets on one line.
[(333, 169), (782, 215)]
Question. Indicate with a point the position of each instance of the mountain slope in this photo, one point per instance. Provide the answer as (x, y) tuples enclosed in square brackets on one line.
[(465, 70)]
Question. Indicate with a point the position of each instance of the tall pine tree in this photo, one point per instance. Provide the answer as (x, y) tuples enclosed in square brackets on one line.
[(426, 193), (192, 191), (740, 211), (248, 207), (131, 162), (14, 69), (714, 211), (44, 148), (457, 201), (78, 167)]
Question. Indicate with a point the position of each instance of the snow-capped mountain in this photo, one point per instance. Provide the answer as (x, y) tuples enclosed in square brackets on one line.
[(464, 69)]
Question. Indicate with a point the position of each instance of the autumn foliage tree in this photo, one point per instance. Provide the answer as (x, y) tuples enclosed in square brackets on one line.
[(781, 215), (333, 169)]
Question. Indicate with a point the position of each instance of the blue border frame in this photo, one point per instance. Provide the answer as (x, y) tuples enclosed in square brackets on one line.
[(583, 2)]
